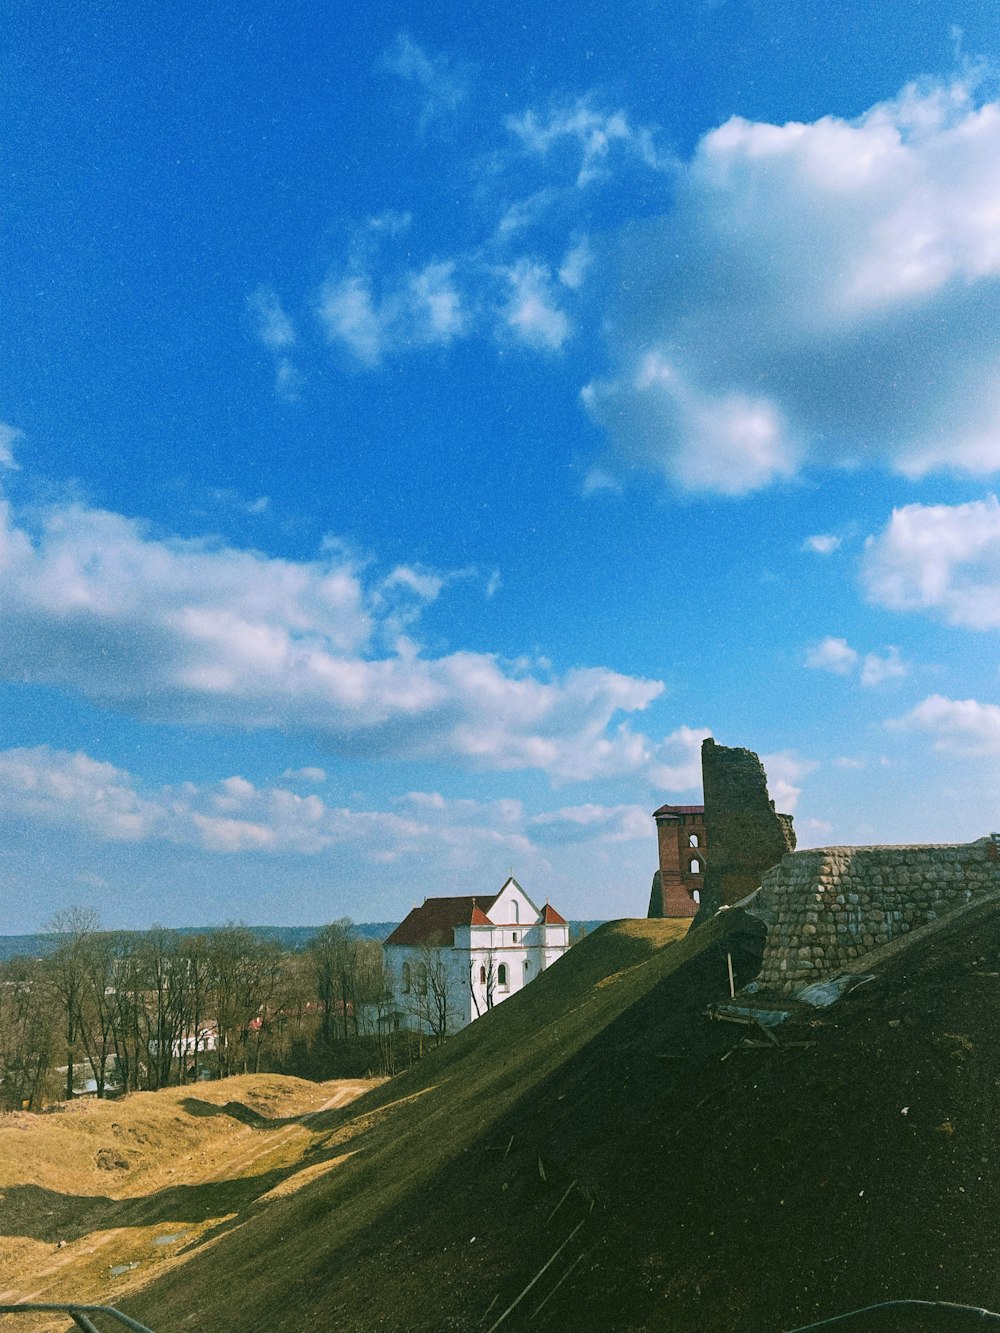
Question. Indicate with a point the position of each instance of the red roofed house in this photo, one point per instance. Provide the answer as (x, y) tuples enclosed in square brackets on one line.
[(454, 958)]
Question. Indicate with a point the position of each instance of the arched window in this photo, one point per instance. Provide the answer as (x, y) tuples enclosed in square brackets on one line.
[(482, 975), (693, 840), (502, 976), (422, 979), (527, 971), (515, 936), (515, 908), (696, 896), (695, 867), (406, 979)]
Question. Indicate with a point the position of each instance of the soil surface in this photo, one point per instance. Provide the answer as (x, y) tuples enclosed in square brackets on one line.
[(600, 1154)]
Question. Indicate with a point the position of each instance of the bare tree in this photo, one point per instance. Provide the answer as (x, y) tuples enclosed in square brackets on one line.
[(97, 1004), (197, 964), (487, 980), (128, 1007), (429, 997), (27, 1035), (67, 973), (335, 958), (244, 977)]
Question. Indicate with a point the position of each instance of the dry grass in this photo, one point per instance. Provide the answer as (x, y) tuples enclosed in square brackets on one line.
[(93, 1187)]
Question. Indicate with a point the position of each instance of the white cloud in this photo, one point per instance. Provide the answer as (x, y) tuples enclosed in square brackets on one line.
[(837, 656), (73, 789), (813, 832), (188, 633), (416, 308), (600, 823), (575, 264), (347, 312), (730, 442), (959, 726), (598, 479), (381, 300), (532, 312), (939, 558), (288, 379), (834, 655), (794, 297), (441, 82), (785, 774), (273, 326), (9, 436), (437, 310), (75, 793), (309, 774), (391, 222), (677, 761), (595, 138), (823, 543), (876, 670)]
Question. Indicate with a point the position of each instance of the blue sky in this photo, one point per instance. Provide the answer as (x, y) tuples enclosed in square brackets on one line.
[(421, 427)]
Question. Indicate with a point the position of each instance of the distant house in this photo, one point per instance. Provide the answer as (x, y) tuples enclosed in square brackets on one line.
[(454, 958)]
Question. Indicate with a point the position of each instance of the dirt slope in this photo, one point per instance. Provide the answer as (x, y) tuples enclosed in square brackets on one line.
[(676, 1178), (442, 1203)]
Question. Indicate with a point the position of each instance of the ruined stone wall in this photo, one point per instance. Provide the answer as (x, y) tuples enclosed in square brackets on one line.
[(745, 836), (826, 908)]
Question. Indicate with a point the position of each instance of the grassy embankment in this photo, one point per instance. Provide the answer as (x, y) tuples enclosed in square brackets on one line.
[(304, 1197)]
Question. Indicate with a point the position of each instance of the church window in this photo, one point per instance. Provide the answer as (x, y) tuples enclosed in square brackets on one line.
[(502, 976), (406, 979), (482, 974), (693, 840), (695, 867)]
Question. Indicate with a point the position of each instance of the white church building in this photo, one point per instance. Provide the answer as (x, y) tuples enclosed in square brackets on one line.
[(455, 958)]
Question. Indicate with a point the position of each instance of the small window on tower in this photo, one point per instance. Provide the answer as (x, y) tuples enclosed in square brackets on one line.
[(693, 840), (695, 867)]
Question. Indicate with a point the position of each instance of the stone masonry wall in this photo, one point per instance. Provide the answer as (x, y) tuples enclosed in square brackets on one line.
[(827, 907)]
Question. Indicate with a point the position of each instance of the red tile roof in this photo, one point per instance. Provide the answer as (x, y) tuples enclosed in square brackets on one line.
[(666, 811), (550, 917), (434, 922)]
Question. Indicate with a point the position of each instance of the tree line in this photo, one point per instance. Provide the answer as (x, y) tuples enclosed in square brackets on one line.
[(124, 1012)]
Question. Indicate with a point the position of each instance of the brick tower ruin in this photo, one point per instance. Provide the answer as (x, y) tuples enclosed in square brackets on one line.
[(680, 835), (717, 852)]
